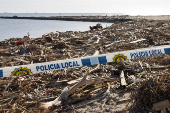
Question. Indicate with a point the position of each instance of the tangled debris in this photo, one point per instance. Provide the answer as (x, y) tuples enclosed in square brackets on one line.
[(71, 90), (151, 90)]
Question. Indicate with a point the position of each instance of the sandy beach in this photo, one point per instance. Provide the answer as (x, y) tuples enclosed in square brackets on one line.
[(28, 93)]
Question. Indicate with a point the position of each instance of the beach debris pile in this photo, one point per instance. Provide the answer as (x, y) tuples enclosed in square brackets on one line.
[(90, 88), (98, 26)]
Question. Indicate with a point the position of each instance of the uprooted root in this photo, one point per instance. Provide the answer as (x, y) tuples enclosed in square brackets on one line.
[(66, 92)]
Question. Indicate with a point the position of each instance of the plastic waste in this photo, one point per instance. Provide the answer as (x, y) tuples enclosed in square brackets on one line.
[(20, 43)]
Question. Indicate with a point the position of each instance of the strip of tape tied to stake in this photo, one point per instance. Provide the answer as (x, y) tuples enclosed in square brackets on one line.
[(83, 61)]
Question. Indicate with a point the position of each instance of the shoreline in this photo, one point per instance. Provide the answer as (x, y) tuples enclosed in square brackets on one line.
[(109, 19)]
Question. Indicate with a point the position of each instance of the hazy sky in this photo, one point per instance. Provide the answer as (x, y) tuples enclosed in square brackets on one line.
[(132, 7)]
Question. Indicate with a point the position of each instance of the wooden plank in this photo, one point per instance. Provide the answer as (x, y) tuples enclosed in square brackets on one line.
[(160, 105), (122, 77)]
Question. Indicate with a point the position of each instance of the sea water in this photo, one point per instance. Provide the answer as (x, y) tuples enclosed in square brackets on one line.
[(17, 28)]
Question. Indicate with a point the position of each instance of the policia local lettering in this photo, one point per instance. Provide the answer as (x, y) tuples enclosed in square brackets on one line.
[(57, 66)]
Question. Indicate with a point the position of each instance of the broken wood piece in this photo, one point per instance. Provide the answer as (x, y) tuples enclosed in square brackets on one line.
[(108, 90), (47, 99), (158, 67), (122, 100), (13, 97), (73, 81), (108, 45), (56, 55), (122, 78), (29, 103), (4, 82), (28, 62), (88, 45), (168, 109), (97, 69), (98, 40), (96, 53), (6, 87), (137, 41), (122, 111), (161, 105), (62, 81), (77, 100), (163, 110)]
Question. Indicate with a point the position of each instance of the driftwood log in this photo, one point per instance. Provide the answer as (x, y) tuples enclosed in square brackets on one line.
[(66, 92)]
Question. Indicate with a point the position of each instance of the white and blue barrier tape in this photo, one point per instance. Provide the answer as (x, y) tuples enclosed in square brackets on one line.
[(83, 61)]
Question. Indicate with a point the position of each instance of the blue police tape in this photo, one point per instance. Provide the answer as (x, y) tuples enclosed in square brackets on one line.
[(83, 61)]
